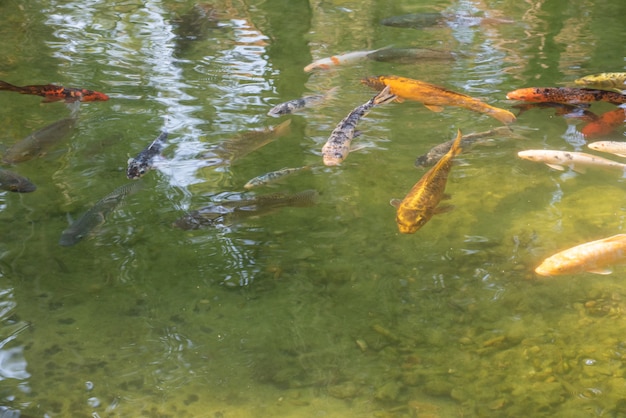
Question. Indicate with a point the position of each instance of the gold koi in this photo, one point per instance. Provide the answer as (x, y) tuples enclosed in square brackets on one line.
[(592, 257), (422, 201)]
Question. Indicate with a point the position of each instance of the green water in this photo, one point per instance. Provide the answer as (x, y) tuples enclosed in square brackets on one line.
[(321, 311)]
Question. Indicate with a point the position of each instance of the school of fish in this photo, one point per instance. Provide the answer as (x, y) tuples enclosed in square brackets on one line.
[(423, 200)]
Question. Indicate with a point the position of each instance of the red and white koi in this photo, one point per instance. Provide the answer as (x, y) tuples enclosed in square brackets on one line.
[(348, 58)]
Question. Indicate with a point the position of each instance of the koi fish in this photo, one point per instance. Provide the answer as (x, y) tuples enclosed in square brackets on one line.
[(96, 215), (348, 58), (612, 147), (410, 55), (468, 140), (422, 201), (234, 210), (592, 257), (139, 165), (52, 93), (37, 142), (604, 80), (13, 182), (271, 177), (337, 147), (605, 124), (435, 19), (242, 145), (577, 161), (297, 105), (568, 95), (435, 97)]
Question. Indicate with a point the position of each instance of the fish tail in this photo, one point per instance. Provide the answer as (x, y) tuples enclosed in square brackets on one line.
[(6, 86), (282, 128), (456, 148), (385, 96)]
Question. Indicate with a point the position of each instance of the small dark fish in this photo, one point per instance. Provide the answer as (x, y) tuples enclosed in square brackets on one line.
[(302, 103), (272, 176), (337, 147), (139, 165), (410, 55), (35, 143), (438, 151), (13, 182), (234, 210), (96, 215), (242, 145), (53, 93)]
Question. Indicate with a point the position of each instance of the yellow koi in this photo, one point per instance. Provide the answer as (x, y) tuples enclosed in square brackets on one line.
[(593, 257), (604, 80), (422, 201)]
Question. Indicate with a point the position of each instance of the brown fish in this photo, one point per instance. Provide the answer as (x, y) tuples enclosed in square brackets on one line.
[(422, 201), (568, 95), (37, 142)]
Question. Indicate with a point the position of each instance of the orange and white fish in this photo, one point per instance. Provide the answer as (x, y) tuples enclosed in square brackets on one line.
[(422, 201), (592, 257), (348, 58), (577, 161), (612, 147)]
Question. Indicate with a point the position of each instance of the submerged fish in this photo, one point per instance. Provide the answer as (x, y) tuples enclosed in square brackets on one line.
[(139, 165), (242, 145), (234, 210), (96, 215), (438, 151), (577, 161), (435, 97), (297, 105), (337, 147), (604, 80), (612, 147), (344, 59), (13, 182), (569, 95), (605, 124), (422, 201), (37, 142), (592, 257), (410, 55), (438, 19), (267, 178), (52, 93)]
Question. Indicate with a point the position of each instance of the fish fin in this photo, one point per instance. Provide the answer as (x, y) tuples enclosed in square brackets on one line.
[(395, 203), (443, 209), (600, 270), (356, 134), (556, 167), (357, 147), (446, 196), (399, 99), (434, 108)]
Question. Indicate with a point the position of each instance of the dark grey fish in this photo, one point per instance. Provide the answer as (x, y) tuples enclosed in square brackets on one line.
[(429, 20), (410, 55), (297, 105), (96, 215), (438, 151), (37, 142), (235, 210), (139, 165), (242, 145), (337, 147), (13, 182)]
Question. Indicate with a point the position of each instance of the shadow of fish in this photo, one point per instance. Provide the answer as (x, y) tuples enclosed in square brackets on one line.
[(438, 19), (236, 210), (37, 142), (13, 182), (139, 165), (96, 215), (410, 55)]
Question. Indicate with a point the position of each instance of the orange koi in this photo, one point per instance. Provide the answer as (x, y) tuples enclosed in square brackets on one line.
[(568, 95), (435, 97), (422, 201), (605, 124), (53, 93), (593, 257)]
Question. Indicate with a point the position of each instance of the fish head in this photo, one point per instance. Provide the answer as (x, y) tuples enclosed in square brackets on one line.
[(70, 237), (410, 226), (374, 82), (135, 169)]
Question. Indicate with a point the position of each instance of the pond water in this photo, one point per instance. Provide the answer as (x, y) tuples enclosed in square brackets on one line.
[(317, 311)]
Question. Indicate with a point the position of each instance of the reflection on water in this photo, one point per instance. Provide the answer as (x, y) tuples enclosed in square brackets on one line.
[(319, 312)]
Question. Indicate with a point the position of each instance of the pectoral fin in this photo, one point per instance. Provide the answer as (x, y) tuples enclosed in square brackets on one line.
[(434, 108), (443, 209), (395, 203), (556, 167), (399, 99), (600, 270)]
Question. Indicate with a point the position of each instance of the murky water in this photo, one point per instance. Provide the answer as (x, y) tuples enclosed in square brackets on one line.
[(306, 311)]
